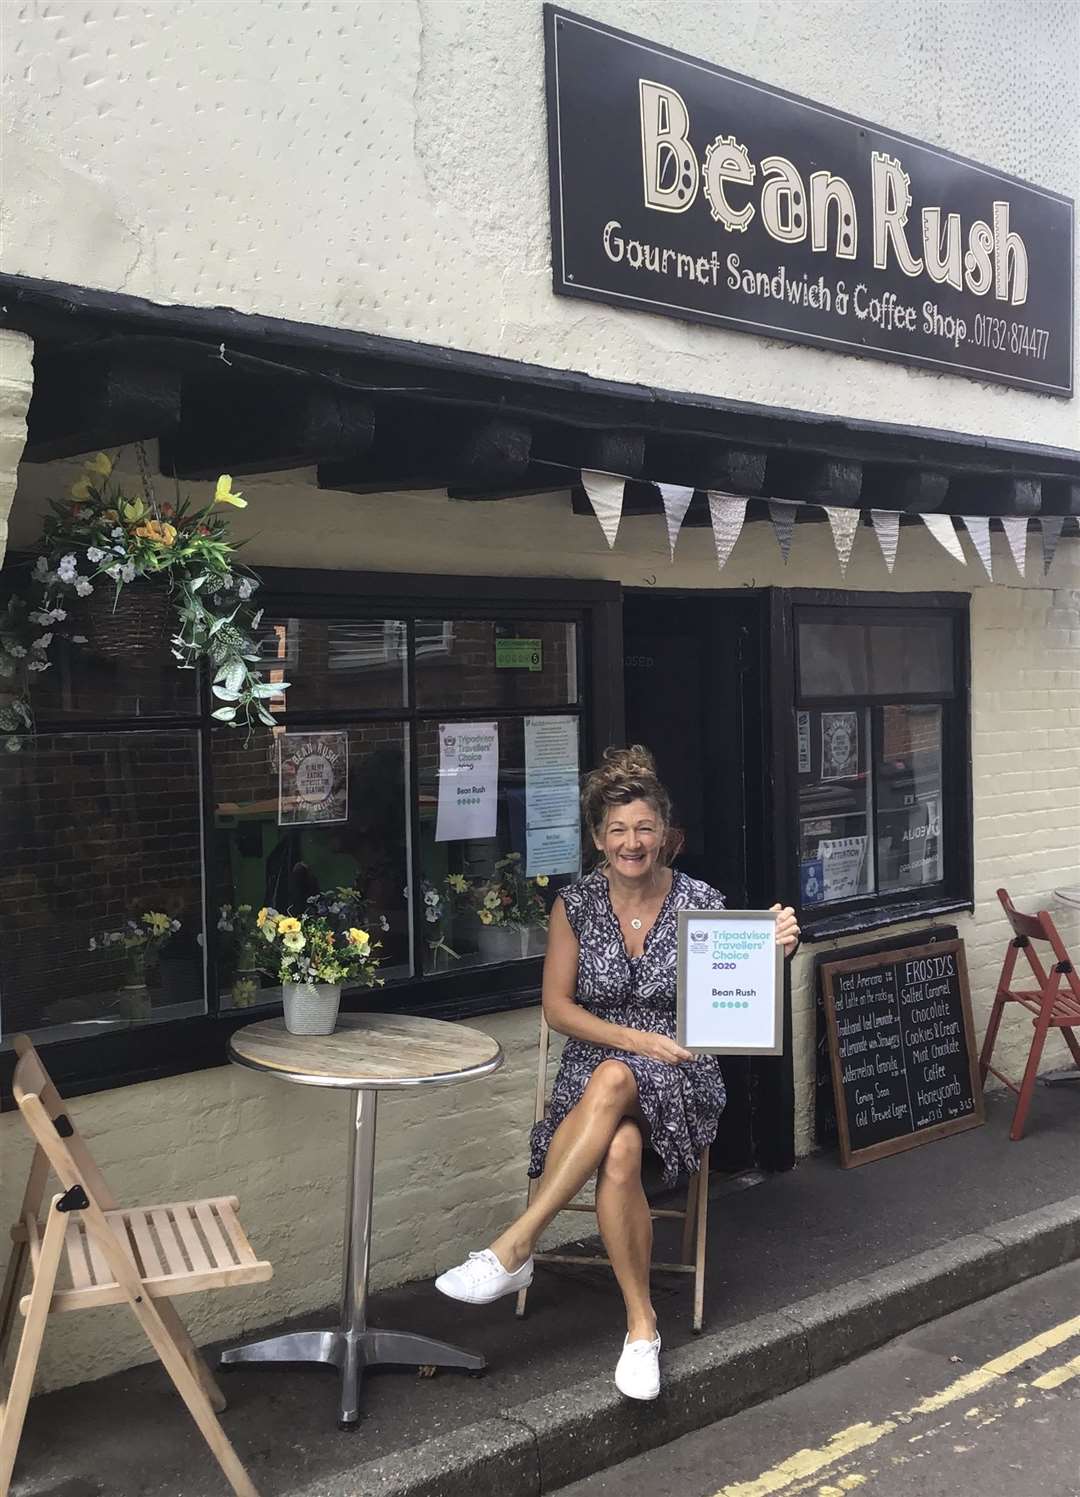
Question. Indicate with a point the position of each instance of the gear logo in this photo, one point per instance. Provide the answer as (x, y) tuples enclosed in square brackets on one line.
[(724, 158)]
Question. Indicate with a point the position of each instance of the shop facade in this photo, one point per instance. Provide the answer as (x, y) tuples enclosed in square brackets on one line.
[(410, 411)]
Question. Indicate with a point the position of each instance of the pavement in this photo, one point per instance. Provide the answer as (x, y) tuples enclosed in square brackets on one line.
[(986, 1400), (807, 1271)]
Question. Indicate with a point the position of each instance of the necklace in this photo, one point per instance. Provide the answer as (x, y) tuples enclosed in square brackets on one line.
[(636, 924)]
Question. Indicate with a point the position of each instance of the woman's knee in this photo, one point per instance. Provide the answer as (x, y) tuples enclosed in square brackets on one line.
[(622, 1162), (612, 1084)]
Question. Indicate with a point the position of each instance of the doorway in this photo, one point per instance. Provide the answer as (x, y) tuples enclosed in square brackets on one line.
[(694, 686)]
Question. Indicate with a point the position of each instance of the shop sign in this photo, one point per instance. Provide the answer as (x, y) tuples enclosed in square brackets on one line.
[(680, 188), (313, 778), (519, 654)]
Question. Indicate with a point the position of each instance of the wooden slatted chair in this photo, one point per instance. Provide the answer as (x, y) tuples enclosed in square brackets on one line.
[(694, 1216), (1055, 1002), (90, 1252)]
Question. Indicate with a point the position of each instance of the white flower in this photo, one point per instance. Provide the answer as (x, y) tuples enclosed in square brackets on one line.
[(117, 532), (38, 616), (432, 917), (245, 589), (41, 568), (93, 944), (384, 924), (95, 554), (84, 588), (43, 642), (37, 665), (17, 650), (431, 897), (67, 569), (127, 572)]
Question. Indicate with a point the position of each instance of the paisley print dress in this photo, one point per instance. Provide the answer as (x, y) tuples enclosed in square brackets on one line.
[(681, 1104)]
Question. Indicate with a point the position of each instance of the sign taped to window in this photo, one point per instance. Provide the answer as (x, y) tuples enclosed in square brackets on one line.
[(313, 778), (468, 781)]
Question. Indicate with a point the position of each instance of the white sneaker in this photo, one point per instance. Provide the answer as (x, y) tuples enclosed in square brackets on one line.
[(482, 1279), (637, 1372)]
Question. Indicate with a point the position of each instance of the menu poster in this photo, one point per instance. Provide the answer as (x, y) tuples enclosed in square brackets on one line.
[(730, 983), (552, 804), (839, 745), (468, 781), (902, 1049), (313, 778)]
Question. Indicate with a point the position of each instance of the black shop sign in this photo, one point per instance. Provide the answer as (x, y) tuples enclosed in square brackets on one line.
[(683, 189)]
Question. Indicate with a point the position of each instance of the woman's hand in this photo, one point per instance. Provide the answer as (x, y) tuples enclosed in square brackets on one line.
[(657, 1047), (787, 928)]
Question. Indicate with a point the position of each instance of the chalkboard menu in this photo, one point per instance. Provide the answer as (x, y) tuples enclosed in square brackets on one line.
[(902, 1048)]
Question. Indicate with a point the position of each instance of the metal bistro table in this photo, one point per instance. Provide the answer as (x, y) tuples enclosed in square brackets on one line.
[(367, 1054)]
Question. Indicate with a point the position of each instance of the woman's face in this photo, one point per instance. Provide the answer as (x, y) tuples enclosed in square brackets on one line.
[(631, 838)]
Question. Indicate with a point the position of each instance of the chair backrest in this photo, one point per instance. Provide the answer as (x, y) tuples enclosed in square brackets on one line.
[(1040, 927), (55, 1134)]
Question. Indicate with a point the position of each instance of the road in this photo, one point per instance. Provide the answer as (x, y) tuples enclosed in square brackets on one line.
[(986, 1402)]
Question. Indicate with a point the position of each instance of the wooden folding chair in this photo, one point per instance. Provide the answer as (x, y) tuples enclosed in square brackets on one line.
[(142, 1256), (694, 1216), (1054, 1006)]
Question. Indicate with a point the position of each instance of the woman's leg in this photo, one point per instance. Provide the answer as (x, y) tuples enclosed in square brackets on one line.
[(626, 1227), (581, 1141)]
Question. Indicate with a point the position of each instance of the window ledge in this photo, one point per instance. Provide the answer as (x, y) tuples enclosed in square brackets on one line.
[(859, 921)]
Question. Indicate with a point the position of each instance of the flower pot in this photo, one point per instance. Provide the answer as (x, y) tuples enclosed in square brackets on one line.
[(133, 627), (311, 1007), (504, 943), (244, 990)]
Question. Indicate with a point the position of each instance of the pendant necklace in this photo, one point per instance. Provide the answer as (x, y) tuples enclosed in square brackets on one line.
[(636, 924)]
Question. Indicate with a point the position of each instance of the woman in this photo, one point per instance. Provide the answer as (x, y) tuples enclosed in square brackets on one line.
[(623, 1084)]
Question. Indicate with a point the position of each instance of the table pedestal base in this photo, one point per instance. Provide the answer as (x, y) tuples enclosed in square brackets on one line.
[(352, 1353)]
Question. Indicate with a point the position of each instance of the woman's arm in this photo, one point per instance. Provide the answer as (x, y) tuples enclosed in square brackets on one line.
[(569, 1018)]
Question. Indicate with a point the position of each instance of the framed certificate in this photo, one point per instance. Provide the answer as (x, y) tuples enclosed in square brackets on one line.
[(731, 983)]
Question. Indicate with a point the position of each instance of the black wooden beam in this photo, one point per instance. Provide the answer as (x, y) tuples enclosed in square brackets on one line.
[(916, 490), (707, 465), (813, 479), (430, 448), (232, 422), (1060, 497), (994, 494), (83, 402)]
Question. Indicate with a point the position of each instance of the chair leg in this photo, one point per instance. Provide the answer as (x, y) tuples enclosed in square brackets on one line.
[(519, 1303), (191, 1391), (9, 1296), (190, 1352), (689, 1219), (986, 1055), (22, 1378), (699, 1262), (1031, 1070), (1073, 1043)]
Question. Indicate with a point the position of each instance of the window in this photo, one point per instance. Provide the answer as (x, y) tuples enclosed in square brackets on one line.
[(879, 729), (129, 803)]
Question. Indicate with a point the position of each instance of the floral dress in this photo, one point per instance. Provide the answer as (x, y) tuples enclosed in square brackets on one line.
[(681, 1104)]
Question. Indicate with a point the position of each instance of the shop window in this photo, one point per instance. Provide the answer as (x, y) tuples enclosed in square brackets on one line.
[(882, 783)]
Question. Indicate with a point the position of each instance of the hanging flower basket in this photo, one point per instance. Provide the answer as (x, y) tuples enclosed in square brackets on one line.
[(133, 627)]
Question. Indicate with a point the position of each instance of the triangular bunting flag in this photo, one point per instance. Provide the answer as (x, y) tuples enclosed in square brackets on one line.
[(676, 500), (844, 524), (944, 532), (1051, 534), (782, 513), (605, 492), (887, 530), (1015, 528), (727, 513), (978, 527)]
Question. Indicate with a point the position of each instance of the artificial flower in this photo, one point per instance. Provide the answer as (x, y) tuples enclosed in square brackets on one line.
[(265, 914), (491, 899), (542, 880), (110, 516), (224, 494), (357, 937), (457, 882), (100, 463), (134, 510), (157, 530), (157, 922), (486, 917), (289, 926), (294, 942), (80, 489)]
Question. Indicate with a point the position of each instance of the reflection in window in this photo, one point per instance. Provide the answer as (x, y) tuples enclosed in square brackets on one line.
[(909, 797), (485, 663), (101, 877), (835, 807)]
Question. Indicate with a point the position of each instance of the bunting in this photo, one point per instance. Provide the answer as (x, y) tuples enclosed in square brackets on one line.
[(886, 524), (844, 524), (605, 491), (676, 500), (727, 513), (1016, 528), (1051, 534), (782, 512), (978, 527), (944, 532)]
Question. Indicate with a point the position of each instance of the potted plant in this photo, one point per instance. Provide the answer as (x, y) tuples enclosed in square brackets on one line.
[(138, 941), (511, 911), (111, 570), (246, 952), (317, 952)]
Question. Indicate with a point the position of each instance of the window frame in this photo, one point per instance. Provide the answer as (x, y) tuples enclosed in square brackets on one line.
[(174, 1047), (872, 911)]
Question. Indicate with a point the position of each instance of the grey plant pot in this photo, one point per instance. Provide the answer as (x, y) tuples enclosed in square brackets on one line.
[(311, 1007)]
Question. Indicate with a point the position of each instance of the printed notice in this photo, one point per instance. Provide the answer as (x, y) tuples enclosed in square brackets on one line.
[(842, 861), (468, 781), (313, 778), (552, 816), (803, 723), (728, 984), (839, 745)]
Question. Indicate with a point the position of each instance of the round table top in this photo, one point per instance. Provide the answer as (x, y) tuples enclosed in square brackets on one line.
[(369, 1052), (1069, 896)]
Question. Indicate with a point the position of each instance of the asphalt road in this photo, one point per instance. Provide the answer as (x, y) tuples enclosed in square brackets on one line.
[(986, 1402)]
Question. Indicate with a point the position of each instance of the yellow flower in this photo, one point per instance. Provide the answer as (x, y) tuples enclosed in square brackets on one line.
[(541, 880), (289, 926), (158, 923), (134, 510), (486, 917), (293, 942), (265, 914), (157, 530), (357, 937), (457, 883), (80, 489), (491, 900), (223, 494), (100, 463)]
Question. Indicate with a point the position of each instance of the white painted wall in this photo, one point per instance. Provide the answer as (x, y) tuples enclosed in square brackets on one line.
[(383, 166)]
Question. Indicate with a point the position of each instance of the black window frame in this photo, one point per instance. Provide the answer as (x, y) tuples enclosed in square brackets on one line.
[(174, 1047), (872, 911)]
